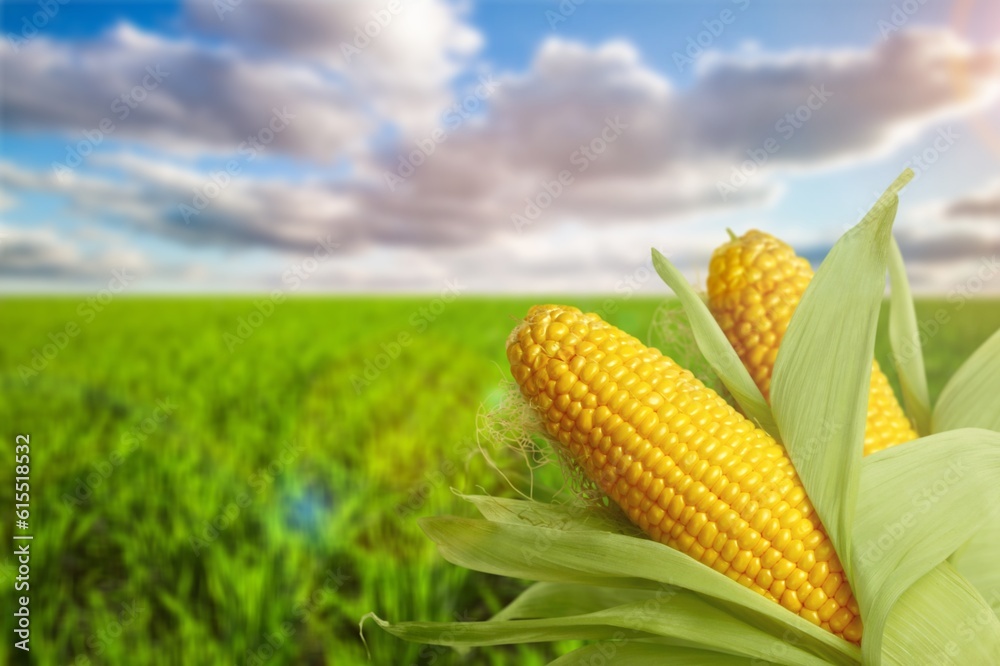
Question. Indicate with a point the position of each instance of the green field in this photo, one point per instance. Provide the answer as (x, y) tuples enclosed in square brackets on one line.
[(206, 492)]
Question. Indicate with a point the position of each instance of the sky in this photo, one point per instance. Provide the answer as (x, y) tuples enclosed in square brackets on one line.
[(505, 147)]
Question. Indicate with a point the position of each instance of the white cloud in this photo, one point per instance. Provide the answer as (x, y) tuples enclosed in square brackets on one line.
[(878, 97), (659, 150), (401, 55)]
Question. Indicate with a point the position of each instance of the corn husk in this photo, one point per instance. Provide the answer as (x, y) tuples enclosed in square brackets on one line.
[(915, 525)]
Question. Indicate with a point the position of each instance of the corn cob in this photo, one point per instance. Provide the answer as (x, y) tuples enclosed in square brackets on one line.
[(687, 468), (754, 284)]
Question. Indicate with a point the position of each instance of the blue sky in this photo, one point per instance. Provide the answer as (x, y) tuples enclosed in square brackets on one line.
[(900, 87)]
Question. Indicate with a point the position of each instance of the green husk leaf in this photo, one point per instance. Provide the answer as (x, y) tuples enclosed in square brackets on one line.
[(977, 561), (917, 514), (563, 599), (819, 388), (941, 620), (971, 398), (716, 348), (615, 560), (680, 616), (646, 652), (904, 339), (554, 516), (481, 634)]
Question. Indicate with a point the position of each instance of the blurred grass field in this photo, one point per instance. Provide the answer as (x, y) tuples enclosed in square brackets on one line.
[(201, 498)]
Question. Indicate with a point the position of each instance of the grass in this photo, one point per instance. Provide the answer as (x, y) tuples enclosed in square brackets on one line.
[(203, 493)]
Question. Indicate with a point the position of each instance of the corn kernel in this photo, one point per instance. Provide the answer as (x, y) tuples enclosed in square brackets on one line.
[(754, 284), (686, 468)]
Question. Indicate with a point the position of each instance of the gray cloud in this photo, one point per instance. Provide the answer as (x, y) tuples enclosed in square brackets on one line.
[(42, 254), (947, 246), (174, 95), (874, 98), (399, 56), (671, 149), (983, 205)]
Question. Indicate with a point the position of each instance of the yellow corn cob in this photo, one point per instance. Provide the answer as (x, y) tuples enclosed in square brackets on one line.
[(754, 284), (686, 467)]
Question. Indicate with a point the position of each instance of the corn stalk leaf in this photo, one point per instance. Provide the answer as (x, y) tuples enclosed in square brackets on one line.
[(606, 559), (917, 500), (941, 620), (680, 616), (819, 389), (971, 398), (904, 339), (716, 348), (647, 653)]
